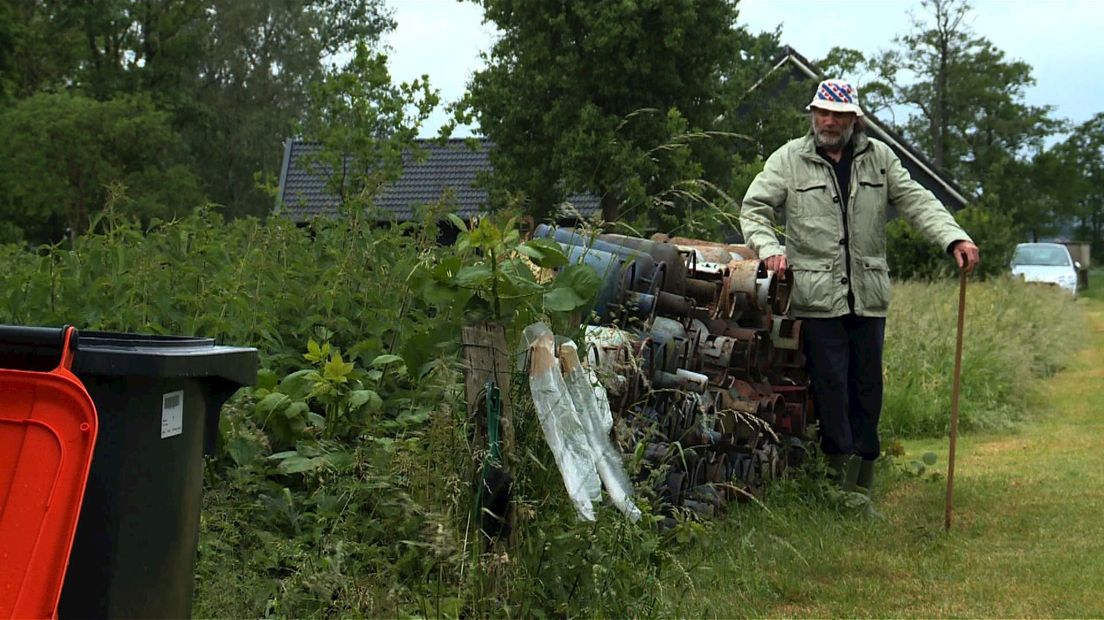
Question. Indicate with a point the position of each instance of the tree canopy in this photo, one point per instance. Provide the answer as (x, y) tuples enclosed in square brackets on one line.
[(230, 80), (961, 100), (66, 156), (664, 109), (613, 98)]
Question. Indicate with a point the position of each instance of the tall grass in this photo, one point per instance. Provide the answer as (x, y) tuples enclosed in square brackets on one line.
[(1027, 540), (1014, 333)]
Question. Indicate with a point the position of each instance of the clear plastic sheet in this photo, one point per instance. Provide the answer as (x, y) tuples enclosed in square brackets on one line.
[(574, 413), (560, 422), (592, 405)]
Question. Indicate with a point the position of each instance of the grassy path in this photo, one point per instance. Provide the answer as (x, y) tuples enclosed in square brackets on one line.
[(1028, 537)]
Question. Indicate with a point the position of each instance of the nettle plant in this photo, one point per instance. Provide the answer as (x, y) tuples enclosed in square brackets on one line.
[(357, 448), (331, 400), (342, 397), (494, 275)]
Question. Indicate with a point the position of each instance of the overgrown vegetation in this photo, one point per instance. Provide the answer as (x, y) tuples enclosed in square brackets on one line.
[(343, 484)]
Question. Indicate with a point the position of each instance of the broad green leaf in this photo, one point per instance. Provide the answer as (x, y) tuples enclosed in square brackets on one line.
[(516, 280), (447, 268), (272, 402), (473, 276), (563, 299), (580, 278), (242, 450), (463, 242), (456, 221), (316, 353), (298, 464), (440, 294), (279, 456), (360, 398), (337, 369), (486, 235), (385, 359), (296, 409), (298, 384), (544, 253), (267, 379), (574, 288)]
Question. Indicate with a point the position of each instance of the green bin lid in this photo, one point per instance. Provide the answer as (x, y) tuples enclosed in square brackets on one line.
[(141, 355)]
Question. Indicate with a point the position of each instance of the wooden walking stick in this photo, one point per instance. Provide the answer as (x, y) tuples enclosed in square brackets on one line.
[(954, 398)]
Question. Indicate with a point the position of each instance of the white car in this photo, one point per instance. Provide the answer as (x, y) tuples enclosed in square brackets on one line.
[(1050, 263)]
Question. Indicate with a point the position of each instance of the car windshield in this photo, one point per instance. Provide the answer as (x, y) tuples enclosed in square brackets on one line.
[(1046, 255)]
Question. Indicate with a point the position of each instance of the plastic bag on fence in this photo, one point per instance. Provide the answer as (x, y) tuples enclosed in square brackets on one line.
[(560, 422), (592, 405)]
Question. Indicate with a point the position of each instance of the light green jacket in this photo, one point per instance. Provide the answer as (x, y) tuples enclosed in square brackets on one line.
[(799, 181)]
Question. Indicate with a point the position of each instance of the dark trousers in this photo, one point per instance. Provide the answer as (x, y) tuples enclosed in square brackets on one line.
[(844, 359)]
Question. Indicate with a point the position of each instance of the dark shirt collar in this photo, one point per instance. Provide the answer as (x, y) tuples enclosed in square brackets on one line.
[(848, 153)]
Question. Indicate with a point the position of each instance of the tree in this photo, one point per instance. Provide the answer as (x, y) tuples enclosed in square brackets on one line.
[(67, 155), (365, 126), (249, 84), (1080, 182), (611, 98), (8, 36), (234, 74), (37, 49), (965, 102)]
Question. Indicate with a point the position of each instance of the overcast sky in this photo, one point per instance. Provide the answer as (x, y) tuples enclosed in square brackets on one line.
[(1061, 39)]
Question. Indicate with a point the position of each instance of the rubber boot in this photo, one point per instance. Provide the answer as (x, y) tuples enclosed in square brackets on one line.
[(837, 464), (851, 477), (864, 482), (864, 475)]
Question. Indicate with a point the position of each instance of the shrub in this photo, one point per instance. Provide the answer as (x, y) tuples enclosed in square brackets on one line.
[(913, 257)]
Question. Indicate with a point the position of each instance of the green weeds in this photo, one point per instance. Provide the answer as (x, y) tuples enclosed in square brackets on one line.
[(344, 480)]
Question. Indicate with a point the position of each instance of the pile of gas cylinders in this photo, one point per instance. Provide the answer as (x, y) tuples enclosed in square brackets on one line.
[(702, 367)]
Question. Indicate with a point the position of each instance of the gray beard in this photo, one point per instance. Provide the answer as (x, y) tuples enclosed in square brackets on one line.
[(824, 142)]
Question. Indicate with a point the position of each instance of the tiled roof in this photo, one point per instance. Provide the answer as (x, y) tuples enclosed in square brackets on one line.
[(449, 168)]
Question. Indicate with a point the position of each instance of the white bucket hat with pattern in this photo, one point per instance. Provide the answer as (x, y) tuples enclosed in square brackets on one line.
[(836, 96)]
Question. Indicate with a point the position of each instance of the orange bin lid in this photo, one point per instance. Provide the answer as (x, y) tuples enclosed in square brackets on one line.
[(47, 433)]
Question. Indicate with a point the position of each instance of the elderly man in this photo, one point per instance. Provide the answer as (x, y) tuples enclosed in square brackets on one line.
[(834, 186)]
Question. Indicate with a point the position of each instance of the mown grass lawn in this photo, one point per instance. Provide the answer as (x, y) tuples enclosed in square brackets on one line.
[(1027, 539)]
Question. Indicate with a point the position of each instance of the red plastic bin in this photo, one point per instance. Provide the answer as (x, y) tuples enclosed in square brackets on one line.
[(47, 433)]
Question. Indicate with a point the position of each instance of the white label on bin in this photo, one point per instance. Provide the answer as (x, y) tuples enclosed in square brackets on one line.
[(172, 414)]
